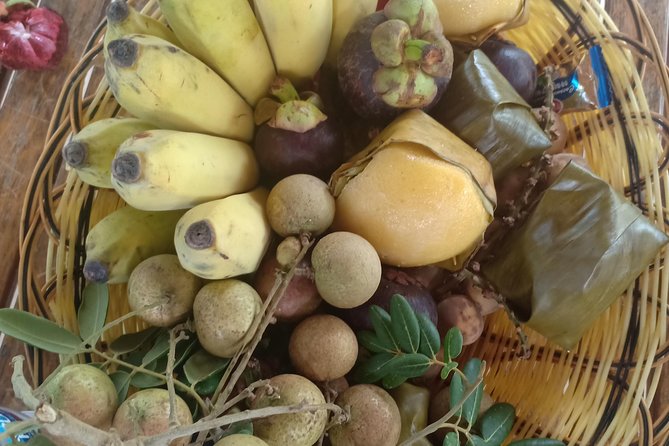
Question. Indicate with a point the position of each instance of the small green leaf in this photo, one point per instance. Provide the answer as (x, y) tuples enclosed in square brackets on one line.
[(451, 439), (144, 381), (121, 381), (202, 365), (470, 409), (453, 344), (208, 386), (536, 442), (448, 368), (371, 342), (132, 341), (475, 440), (38, 332), (393, 380), (93, 311), (381, 322), (375, 368), (160, 348), (409, 365), (496, 423), (404, 324), (456, 391), (429, 336)]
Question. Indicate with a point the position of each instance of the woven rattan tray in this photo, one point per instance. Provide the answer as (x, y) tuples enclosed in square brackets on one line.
[(598, 393)]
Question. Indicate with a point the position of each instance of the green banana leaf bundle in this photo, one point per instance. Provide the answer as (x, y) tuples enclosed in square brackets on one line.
[(483, 109), (580, 248)]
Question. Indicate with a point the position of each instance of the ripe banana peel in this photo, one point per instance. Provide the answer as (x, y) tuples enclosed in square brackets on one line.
[(163, 170), (345, 14), (123, 239), (92, 150), (123, 19), (224, 238), (226, 36), (157, 81), (298, 33)]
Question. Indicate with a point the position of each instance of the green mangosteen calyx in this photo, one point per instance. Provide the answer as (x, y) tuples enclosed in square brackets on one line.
[(413, 53), (289, 111)]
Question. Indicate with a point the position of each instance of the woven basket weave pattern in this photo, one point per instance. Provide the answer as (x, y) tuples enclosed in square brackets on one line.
[(599, 393)]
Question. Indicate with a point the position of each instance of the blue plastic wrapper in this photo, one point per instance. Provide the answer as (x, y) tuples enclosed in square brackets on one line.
[(6, 417), (581, 86)]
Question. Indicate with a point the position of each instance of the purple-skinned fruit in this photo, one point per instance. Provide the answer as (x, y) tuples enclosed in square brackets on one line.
[(395, 59)]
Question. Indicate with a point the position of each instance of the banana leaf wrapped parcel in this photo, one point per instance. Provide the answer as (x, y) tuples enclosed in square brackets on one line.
[(482, 108), (417, 193), (582, 245)]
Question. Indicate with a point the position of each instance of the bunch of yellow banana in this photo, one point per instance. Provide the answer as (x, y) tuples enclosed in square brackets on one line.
[(162, 170), (121, 240), (226, 36), (92, 150), (163, 84), (191, 87), (224, 238)]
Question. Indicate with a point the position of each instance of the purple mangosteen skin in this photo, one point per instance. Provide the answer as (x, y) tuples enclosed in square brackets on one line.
[(316, 152), (419, 298), (356, 66)]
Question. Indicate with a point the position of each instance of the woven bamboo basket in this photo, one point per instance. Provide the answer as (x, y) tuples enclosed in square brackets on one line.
[(598, 393)]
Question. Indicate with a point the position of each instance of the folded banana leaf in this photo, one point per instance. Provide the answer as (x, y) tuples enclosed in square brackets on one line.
[(581, 247), (482, 108), (437, 158)]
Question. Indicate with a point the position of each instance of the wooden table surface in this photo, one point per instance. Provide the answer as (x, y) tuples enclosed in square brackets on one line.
[(28, 99)]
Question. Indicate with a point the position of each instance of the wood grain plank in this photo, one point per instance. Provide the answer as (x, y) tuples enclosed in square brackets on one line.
[(24, 118)]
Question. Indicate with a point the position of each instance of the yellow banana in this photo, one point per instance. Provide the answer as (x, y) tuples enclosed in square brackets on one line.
[(226, 36), (123, 19), (92, 150), (121, 240), (163, 170), (224, 238), (160, 83), (345, 14), (298, 34)]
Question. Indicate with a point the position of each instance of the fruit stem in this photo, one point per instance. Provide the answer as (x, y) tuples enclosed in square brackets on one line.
[(123, 52), (74, 153), (127, 167), (283, 90), (117, 11), (417, 50), (200, 235), (96, 271)]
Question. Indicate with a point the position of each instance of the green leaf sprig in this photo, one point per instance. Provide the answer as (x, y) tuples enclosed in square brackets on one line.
[(404, 344)]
